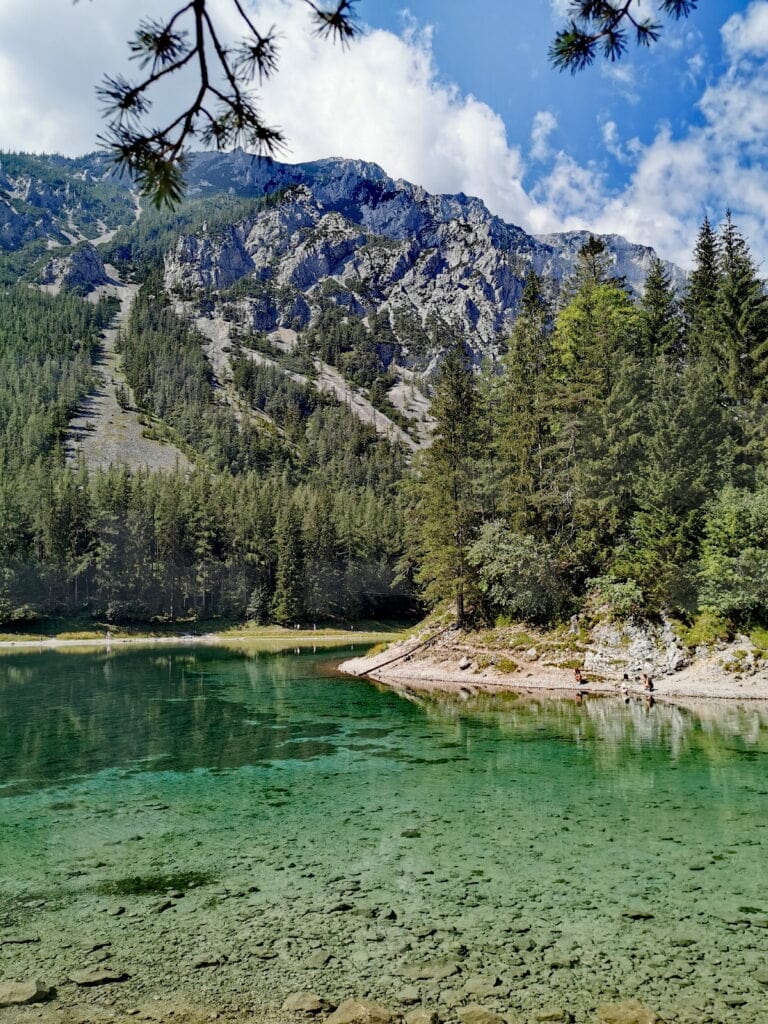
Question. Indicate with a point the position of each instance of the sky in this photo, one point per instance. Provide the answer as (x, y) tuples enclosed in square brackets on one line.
[(461, 102)]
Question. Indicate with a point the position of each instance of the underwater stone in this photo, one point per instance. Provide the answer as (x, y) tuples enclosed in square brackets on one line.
[(631, 1012), (305, 1002), (20, 993), (360, 1011)]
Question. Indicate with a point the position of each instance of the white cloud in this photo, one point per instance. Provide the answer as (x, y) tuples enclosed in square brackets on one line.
[(384, 100), (544, 123), (747, 34), (561, 8)]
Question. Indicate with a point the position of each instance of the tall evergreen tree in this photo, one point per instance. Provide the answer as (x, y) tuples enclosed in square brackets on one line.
[(288, 600), (446, 511), (743, 317), (520, 435), (701, 301), (660, 326)]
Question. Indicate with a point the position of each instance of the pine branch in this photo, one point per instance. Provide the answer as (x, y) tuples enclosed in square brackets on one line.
[(599, 27), (156, 157)]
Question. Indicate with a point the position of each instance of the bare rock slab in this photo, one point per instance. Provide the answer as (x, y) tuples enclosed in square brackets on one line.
[(20, 993), (630, 1012), (361, 1011)]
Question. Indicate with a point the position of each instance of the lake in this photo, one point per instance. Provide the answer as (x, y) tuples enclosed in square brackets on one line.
[(228, 828)]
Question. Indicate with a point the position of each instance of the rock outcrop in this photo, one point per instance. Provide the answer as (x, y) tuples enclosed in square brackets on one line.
[(81, 270)]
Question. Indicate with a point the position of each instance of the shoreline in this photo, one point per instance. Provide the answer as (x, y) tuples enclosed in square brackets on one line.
[(437, 665), (288, 637)]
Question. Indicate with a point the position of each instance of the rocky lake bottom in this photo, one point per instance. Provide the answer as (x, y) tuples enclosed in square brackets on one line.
[(221, 830)]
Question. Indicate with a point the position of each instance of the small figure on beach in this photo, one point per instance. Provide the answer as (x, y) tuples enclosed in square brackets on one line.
[(647, 682), (578, 677)]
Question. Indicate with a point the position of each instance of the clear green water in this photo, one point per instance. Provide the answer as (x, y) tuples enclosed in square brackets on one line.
[(509, 838)]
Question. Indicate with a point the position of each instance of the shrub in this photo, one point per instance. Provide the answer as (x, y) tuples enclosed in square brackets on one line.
[(517, 574), (622, 599)]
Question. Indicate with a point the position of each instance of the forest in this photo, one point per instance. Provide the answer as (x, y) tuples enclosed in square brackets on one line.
[(617, 464), (288, 523), (614, 458)]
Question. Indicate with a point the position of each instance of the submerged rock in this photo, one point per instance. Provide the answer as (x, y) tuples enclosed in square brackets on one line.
[(630, 1012), (432, 970), (305, 1002), (422, 1016), (20, 993), (98, 976), (476, 1014), (361, 1011)]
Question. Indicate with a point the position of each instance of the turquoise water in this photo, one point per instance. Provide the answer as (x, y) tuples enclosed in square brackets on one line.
[(544, 853)]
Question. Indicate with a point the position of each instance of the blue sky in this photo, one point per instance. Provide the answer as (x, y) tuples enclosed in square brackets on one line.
[(460, 102), (500, 56)]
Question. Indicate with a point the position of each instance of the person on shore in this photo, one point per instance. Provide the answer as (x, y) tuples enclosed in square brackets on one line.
[(578, 677), (647, 682)]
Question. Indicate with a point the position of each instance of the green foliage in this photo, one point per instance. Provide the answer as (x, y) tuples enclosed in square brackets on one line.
[(622, 599), (446, 511), (518, 574), (707, 628), (734, 558)]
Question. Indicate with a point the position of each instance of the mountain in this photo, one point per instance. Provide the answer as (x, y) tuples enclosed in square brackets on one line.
[(344, 230), (341, 230), (330, 272)]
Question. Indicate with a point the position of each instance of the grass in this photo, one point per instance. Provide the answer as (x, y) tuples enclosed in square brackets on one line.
[(706, 629), (85, 629)]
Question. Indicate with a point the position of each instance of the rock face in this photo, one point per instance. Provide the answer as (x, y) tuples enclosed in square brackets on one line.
[(345, 232), (638, 647), (81, 270), (20, 993)]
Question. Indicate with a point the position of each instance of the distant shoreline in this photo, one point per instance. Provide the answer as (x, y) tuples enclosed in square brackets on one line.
[(267, 636)]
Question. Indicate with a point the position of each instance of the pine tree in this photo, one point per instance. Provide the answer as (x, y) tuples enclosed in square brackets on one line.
[(447, 512), (700, 304), (520, 431), (743, 316), (287, 602), (660, 326), (685, 457)]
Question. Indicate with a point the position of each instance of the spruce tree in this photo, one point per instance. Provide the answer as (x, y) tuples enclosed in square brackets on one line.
[(521, 413), (447, 512), (743, 316), (287, 602), (660, 326), (701, 301)]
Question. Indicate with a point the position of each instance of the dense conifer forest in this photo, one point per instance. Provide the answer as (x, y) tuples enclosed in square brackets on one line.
[(615, 456), (618, 461)]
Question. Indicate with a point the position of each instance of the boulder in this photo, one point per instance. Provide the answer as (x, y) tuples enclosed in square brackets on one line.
[(630, 1012), (20, 993), (360, 1011)]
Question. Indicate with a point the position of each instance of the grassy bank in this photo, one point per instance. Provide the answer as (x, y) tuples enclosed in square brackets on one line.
[(68, 631)]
